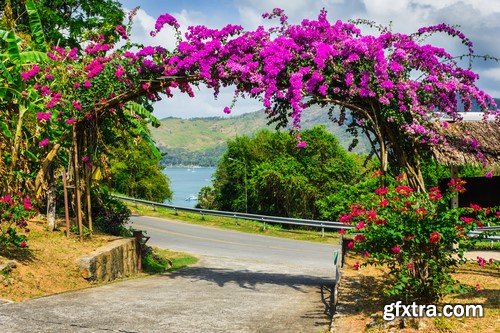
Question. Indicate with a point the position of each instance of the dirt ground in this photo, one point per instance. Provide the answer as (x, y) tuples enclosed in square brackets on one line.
[(48, 265), (362, 301)]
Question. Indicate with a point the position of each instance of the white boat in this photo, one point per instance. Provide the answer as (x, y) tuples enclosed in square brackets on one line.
[(192, 198)]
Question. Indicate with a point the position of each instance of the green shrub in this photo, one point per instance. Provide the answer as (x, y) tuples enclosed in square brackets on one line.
[(109, 214)]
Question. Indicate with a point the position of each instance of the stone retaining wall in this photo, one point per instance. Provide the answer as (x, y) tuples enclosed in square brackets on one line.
[(115, 260)]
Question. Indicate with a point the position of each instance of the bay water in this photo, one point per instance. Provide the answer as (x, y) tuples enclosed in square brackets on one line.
[(186, 182)]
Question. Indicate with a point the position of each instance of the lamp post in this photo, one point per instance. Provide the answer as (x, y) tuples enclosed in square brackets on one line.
[(246, 189)]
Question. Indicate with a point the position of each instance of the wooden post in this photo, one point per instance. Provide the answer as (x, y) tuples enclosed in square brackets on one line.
[(78, 196), (66, 206), (89, 201)]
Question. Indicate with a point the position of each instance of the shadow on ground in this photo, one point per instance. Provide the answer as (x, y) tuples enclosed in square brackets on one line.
[(250, 279)]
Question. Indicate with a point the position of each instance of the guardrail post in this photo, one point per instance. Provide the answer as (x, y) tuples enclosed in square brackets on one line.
[(154, 208), (322, 230), (264, 223)]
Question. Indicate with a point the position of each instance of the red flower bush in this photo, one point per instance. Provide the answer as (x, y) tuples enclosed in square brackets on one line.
[(413, 234)]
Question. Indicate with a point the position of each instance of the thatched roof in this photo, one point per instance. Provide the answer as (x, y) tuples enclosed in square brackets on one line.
[(458, 152)]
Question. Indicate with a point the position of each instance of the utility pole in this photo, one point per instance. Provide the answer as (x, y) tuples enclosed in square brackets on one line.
[(246, 186)]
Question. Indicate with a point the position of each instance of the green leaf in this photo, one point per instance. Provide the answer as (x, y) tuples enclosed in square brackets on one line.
[(33, 57), (12, 41), (36, 26), (5, 130), (30, 155), (143, 113)]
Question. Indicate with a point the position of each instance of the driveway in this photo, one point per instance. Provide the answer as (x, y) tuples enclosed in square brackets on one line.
[(242, 283)]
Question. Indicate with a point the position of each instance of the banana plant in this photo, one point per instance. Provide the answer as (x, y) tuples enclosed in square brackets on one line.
[(16, 99)]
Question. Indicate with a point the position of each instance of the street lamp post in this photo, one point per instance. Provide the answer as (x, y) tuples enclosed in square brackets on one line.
[(246, 189)]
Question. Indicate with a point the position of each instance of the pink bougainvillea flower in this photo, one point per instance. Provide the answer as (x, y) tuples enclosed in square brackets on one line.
[(227, 110), (301, 144), (366, 254), (43, 116), (396, 249), (481, 261), (43, 143), (434, 237), (26, 76), (87, 84), (121, 31), (77, 105), (27, 203), (70, 121), (346, 218), (489, 174)]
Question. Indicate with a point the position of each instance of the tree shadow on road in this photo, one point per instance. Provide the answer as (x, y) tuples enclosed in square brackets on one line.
[(247, 279), (250, 279)]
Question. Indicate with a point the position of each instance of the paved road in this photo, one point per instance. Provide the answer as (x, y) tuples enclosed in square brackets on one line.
[(242, 283)]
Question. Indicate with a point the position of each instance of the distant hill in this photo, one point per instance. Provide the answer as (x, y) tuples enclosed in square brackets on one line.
[(202, 141)]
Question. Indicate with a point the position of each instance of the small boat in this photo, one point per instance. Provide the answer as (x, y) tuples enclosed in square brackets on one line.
[(192, 198)]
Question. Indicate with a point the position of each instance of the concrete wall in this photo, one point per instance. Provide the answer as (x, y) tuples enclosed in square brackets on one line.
[(114, 260)]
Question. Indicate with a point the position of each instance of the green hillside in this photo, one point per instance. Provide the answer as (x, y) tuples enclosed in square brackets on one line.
[(202, 141)]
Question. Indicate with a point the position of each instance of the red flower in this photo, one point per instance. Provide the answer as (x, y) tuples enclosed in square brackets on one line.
[(380, 222), (350, 245), (410, 266), (360, 225), (420, 212), (359, 238), (384, 203), (434, 237), (478, 287), (475, 207), (381, 191), (457, 184), (435, 194), (396, 249), (356, 265), (345, 218), (400, 178), (23, 244), (403, 190), (342, 231), (371, 215), (467, 220)]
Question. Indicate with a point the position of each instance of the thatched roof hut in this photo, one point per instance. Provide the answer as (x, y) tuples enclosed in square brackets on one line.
[(459, 136)]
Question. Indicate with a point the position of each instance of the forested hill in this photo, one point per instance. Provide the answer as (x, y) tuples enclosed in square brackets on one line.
[(202, 141)]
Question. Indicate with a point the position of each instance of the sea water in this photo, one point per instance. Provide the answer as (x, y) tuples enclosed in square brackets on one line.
[(185, 183)]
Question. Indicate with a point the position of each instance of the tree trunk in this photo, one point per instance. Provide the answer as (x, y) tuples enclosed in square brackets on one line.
[(51, 201)]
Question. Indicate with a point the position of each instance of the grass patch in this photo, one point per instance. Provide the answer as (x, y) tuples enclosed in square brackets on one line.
[(487, 245), (156, 260), (247, 226), (360, 306)]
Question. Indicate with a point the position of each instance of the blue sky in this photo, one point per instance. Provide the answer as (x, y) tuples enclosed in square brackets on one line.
[(478, 19)]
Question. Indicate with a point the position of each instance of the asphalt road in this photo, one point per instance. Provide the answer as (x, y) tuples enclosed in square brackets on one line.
[(242, 283)]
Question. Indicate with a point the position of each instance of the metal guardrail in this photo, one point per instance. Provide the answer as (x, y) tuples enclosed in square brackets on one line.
[(245, 216), (281, 220)]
